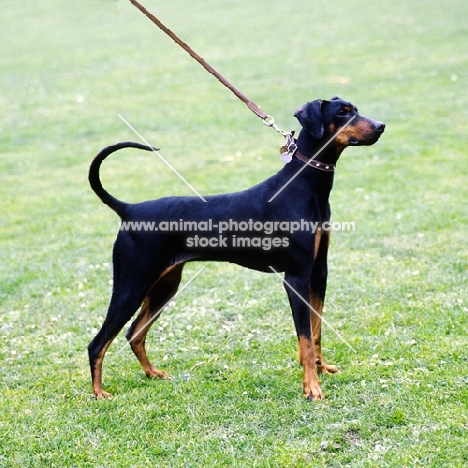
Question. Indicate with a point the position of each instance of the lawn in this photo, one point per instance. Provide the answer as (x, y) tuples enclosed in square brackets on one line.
[(397, 284)]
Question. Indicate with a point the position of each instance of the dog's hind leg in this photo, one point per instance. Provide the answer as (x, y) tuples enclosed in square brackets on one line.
[(123, 305), (159, 295)]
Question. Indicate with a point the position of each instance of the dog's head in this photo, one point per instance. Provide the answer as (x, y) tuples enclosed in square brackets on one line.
[(336, 117)]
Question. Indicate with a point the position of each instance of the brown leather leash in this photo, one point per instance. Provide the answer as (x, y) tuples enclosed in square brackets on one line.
[(267, 119)]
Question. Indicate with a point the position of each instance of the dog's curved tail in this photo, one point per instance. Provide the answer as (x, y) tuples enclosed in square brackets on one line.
[(95, 181)]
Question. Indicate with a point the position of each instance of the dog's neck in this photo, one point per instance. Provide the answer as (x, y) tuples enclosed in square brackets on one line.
[(309, 147)]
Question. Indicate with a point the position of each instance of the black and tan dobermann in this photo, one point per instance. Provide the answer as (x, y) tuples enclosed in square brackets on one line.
[(148, 262)]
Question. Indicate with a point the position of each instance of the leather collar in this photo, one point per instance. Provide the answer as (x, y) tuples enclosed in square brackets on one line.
[(314, 163)]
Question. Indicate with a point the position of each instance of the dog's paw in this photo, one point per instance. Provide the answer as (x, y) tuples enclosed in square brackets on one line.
[(312, 391), (154, 373), (327, 369), (101, 394)]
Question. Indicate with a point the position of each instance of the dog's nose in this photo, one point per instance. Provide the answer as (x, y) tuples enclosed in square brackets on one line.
[(379, 127)]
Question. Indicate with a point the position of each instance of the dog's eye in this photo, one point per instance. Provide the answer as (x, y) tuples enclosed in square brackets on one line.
[(343, 113)]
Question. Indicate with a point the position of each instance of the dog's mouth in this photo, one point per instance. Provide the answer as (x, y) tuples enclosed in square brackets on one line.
[(367, 141)]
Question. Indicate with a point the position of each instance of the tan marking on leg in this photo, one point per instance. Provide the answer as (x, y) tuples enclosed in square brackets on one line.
[(311, 384), (96, 375), (138, 341), (150, 312), (318, 239), (316, 325)]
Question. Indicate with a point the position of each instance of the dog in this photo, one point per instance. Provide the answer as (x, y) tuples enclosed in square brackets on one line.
[(148, 263)]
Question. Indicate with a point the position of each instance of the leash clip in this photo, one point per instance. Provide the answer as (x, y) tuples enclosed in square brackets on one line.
[(287, 151), (269, 121)]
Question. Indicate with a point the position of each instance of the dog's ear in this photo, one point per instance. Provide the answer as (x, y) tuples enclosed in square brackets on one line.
[(336, 98), (311, 118)]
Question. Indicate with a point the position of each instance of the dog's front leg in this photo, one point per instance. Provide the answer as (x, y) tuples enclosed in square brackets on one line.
[(318, 285), (298, 289)]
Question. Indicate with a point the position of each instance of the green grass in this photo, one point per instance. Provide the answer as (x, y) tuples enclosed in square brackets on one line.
[(398, 284)]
